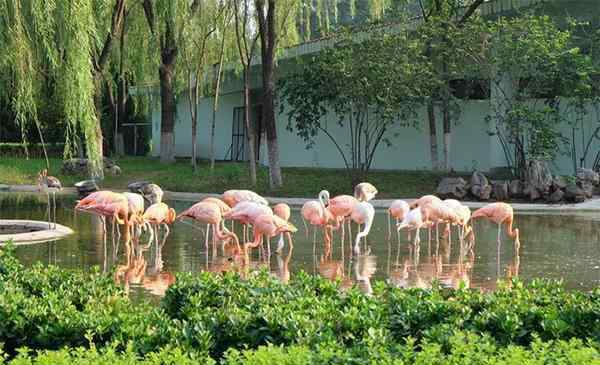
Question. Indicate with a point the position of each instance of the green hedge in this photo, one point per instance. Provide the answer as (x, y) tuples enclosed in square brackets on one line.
[(464, 349), (309, 319), (35, 150)]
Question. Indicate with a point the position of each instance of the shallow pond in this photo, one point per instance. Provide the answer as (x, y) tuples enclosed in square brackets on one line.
[(555, 246)]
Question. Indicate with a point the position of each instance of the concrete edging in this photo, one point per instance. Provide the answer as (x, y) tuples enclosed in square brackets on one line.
[(43, 234), (592, 205)]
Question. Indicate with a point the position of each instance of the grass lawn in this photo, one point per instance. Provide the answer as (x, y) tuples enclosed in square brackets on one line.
[(299, 182)]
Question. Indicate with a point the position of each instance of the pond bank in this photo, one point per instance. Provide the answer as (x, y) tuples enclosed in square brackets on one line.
[(592, 205)]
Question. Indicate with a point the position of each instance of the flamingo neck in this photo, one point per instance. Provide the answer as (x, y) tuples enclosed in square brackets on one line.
[(367, 229), (324, 198)]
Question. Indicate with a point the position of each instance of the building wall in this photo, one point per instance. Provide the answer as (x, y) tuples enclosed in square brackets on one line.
[(472, 146)]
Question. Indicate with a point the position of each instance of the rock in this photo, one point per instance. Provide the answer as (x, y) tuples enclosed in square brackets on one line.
[(574, 193), (452, 188), (113, 170), (588, 175), (559, 183), (556, 197), (531, 191), (480, 187), (587, 187), (515, 189), (86, 187), (500, 190), (136, 186), (4, 187), (538, 179), (80, 166), (152, 193)]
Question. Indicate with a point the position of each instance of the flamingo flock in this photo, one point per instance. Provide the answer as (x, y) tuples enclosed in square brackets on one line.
[(131, 219)]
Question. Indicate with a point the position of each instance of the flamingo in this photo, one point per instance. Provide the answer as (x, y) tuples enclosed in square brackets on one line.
[(136, 212), (436, 212), (500, 213), (106, 203), (49, 184), (233, 197), (398, 209), (317, 214), (341, 208), (157, 215), (363, 213), (464, 214), (210, 213), (365, 191), (413, 221), (269, 225), (224, 210), (283, 211), (246, 212), (424, 200)]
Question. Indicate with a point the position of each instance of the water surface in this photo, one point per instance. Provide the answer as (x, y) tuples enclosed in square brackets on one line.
[(565, 247)]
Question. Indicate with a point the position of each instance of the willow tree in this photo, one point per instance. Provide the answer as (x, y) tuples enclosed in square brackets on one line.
[(66, 44)]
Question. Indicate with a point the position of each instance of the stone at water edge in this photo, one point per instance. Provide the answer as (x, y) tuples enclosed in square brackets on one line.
[(587, 187), (588, 175), (515, 189), (480, 186), (86, 187), (559, 183), (137, 186), (531, 191), (452, 188), (574, 193), (4, 187), (556, 197), (500, 190)]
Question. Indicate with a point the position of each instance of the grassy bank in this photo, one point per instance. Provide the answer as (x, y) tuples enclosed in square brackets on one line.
[(299, 182), (259, 320)]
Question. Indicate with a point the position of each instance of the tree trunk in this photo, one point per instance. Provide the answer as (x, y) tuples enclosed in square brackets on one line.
[(433, 146), (167, 115), (249, 126), (268, 37), (193, 103), (447, 131), (98, 171), (216, 105)]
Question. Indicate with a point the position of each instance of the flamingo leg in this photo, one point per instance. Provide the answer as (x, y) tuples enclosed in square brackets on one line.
[(280, 243), (269, 246), (206, 238), (48, 210), (54, 208), (289, 236)]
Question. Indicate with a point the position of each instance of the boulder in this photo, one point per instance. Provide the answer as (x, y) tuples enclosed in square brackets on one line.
[(152, 193), (574, 193), (80, 166), (136, 186), (86, 187), (559, 183), (556, 197), (113, 170), (587, 187), (538, 179), (588, 175), (452, 188), (480, 186), (515, 189), (500, 190), (531, 191)]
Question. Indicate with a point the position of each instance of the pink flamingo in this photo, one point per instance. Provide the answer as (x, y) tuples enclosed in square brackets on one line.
[(436, 212), (107, 204), (500, 213), (398, 209), (210, 213), (363, 213), (464, 215), (424, 200), (159, 215), (233, 197), (269, 225), (317, 214), (225, 209), (246, 211), (413, 221), (283, 211), (341, 208), (365, 191)]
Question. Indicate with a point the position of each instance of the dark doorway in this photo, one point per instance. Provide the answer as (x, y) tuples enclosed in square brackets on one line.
[(239, 137)]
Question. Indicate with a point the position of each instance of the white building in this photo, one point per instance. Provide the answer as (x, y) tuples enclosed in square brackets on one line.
[(472, 146)]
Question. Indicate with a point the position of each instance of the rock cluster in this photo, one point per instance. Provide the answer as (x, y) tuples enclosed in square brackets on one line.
[(538, 185), (80, 166)]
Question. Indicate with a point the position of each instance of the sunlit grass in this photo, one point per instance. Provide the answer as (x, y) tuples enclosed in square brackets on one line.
[(178, 176)]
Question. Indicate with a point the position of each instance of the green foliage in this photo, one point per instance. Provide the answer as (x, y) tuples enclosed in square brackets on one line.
[(546, 67), (370, 87), (259, 320)]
